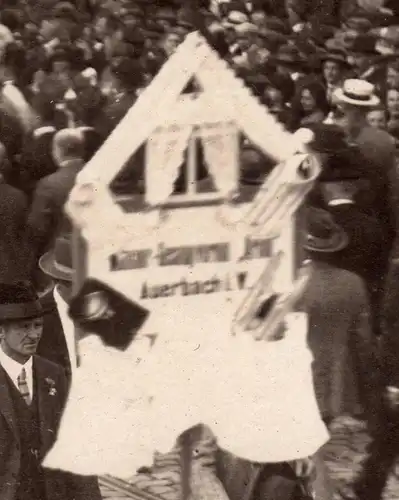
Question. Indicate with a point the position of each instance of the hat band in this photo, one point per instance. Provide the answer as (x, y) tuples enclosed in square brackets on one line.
[(356, 97), (21, 311), (62, 268)]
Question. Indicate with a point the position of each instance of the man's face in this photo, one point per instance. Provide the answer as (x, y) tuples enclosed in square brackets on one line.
[(259, 18), (244, 42), (48, 29), (100, 27), (393, 101), (19, 339), (170, 43), (392, 78), (332, 72), (376, 119), (359, 61)]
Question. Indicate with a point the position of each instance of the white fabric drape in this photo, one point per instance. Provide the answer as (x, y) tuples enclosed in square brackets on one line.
[(221, 155), (165, 154)]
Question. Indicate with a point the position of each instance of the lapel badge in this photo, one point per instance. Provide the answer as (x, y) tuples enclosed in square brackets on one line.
[(51, 386)]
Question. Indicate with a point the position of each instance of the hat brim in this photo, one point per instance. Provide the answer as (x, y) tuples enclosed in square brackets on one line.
[(49, 266), (287, 64), (341, 97), (339, 60), (21, 311), (337, 243)]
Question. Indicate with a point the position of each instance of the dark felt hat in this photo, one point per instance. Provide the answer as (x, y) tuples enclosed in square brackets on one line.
[(288, 55), (364, 44), (18, 302), (57, 263), (128, 70), (336, 55), (165, 14), (359, 24), (328, 138), (100, 309), (133, 11), (153, 30), (323, 235), (277, 25), (134, 37), (66, 11)]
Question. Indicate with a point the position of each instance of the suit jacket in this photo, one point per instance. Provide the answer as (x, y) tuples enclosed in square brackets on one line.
[(363, 253), (52, 390), (378, 150), (345, 369), (46, 219), (14, 249)]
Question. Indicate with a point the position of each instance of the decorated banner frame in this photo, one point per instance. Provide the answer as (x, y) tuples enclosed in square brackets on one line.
[(224, 108)]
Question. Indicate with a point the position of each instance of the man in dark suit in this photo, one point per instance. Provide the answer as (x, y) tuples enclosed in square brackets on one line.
[(33, 393), (377, 150), (46, 218), (14, 249)]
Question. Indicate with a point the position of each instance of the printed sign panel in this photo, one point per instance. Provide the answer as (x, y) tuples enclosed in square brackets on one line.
[(191, 263)]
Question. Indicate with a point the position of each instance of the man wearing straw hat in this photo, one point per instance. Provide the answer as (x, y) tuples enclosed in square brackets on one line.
[(377, 148)]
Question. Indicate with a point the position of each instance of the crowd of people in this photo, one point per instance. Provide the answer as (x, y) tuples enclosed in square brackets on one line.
[(69, 72)]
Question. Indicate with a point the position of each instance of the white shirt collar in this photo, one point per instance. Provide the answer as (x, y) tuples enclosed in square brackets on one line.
[(13, 369)]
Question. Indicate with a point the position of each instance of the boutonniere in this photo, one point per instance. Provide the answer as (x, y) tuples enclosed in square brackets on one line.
[(51, 386)]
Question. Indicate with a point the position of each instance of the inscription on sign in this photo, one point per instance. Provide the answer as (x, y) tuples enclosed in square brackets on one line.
[(188, 255), (184, 287)]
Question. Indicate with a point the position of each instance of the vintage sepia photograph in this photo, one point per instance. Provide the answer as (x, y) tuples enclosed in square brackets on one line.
[(199, 258)]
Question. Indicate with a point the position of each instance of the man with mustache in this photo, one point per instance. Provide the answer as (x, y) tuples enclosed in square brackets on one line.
[(33, 392)]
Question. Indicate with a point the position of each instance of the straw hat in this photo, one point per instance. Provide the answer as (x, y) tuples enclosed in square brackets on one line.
[(358, 93)]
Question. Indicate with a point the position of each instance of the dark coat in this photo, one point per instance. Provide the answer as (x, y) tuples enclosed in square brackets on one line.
[(362, 256), (59, 485), (345, 369), (46, 219), (15, 252), (378, 150), (390, 315), (320, 11), (114, 109)]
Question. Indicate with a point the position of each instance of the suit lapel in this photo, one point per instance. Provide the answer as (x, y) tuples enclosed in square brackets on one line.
[(6, 404), (45, 406)]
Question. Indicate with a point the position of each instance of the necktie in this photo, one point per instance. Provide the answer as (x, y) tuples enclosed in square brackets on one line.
[(23, 387)]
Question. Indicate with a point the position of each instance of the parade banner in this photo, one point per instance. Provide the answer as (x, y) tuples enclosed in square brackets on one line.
[(202, 265)]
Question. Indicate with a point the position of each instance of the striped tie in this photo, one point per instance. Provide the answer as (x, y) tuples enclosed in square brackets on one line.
[(23, 387)]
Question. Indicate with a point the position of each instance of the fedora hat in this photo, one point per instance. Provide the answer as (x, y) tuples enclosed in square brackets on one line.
[(18, 302), (336, 55), (364, 45), (357, 92), (327, 138), (322, 233), (57, 263), (358, 23), (288, 55)]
